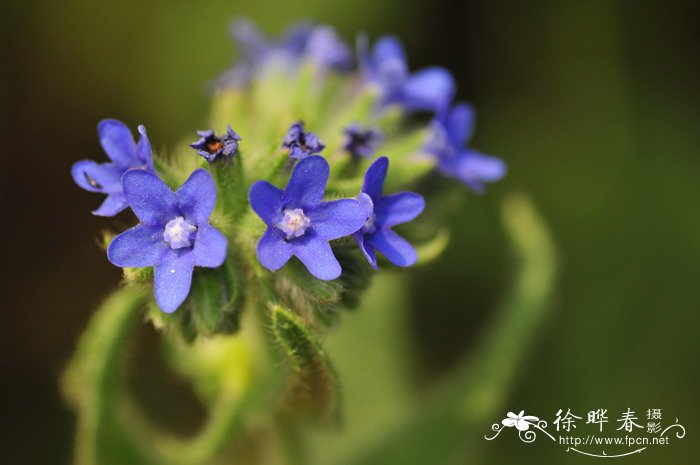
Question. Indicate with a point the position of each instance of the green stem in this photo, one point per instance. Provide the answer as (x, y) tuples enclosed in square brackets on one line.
[(231, 411), (445, 430), (93, 380)]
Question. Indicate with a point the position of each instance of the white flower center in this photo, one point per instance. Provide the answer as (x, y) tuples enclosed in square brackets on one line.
[(178, 233), (294, 223), (369, 227)]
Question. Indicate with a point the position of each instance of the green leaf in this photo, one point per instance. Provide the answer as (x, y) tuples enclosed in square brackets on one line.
[(314, 384)]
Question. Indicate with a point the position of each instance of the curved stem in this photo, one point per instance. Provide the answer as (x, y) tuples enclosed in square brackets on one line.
[(442, 432), (92, 380)]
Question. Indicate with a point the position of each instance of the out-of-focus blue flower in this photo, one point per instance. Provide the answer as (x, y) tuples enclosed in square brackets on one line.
[(256, 48), (212, 147), (382, 213), (320, 45), (301, 144), (451, 133), (299, 223), (174, 235), (326, 49), (430, 89), (106, 178), (361, 142)]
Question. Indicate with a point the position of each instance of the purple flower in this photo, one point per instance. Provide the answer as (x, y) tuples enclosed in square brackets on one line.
[(106, 178), (361, 143), (299, 223), (384, 212), (429, 89), (256, 49), (212, 147), (327, 50), (303, 40), (174, 235), (301, 144), (451, 132)]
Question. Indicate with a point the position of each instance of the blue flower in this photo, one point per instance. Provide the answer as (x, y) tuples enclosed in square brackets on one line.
[(106, 178), (361, 142), (212, 147), (299, 223), (301, 144), (256, 49), (303, 40), (327, 50), (384, 212), (430, 89), (451, 132), (174, 235)]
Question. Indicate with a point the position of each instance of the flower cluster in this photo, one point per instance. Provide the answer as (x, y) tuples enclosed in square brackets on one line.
[(312, 218)]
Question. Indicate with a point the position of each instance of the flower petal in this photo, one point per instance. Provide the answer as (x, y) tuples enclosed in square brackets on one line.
[(367, 249), (137, 247), (388, 48), (149, 197), (266, 200), (172, 278), (143, 150), (394, 247), (336, 219), (273, 251), (374, 178), (509, 422), (209, 247), (473, 169), (398, 208), (118, 142), (388, 67), (317, 255), (97, 177), (113, 204), (460, 123), (474, 165), (250, 40), (296, 36), (326, 49), (430, 89), (307, 185), (196, 197)]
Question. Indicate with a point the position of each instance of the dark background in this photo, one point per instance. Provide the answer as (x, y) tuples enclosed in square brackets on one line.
[(593, 104)]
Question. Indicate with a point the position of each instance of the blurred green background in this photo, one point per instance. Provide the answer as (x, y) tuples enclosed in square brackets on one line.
[(593, 104)]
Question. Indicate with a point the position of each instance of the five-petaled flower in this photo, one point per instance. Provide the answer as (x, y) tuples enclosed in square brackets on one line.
[(106, 178), (212, 147), (361, 142), (451, 131), (301, 144), (299, 223), (174, 235), (384, 212), (521, 421), (429, 89)]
